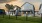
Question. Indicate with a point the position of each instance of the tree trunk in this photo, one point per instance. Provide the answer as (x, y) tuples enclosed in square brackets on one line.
[(9, 14)]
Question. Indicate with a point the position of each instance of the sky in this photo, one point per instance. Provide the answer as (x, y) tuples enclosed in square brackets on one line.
[(36, 3)]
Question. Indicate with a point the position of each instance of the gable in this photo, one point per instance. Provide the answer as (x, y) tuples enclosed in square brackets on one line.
[(27, 6)]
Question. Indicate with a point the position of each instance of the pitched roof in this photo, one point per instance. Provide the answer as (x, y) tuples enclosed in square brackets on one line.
[(27, 6)]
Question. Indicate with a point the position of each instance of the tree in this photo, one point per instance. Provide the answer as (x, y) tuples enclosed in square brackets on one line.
[(12, 8), (9, 7)]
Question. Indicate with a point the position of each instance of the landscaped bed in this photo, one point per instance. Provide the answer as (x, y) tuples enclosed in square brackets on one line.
[(19, 20)]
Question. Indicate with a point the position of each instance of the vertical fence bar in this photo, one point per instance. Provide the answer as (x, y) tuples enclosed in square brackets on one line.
[(41, 17), (26, 16), (3, 15), (16, 14), (9, 16), (16, 17)]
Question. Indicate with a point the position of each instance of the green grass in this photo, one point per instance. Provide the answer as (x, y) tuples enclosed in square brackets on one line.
[(19, 20)]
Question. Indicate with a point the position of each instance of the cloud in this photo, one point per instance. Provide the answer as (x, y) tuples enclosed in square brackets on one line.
[(4, 1), (31, 1)]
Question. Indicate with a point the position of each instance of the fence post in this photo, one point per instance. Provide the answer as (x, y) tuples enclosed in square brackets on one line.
[(9, 16), (16, 14), (26, 16), (3, 15), (34, 13), (16, 17), (41, 17)]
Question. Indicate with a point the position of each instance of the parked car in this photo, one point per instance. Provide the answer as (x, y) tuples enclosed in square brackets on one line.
[(2, 12)]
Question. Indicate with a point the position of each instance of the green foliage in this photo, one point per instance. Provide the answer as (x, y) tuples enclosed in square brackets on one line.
[(9, 6)]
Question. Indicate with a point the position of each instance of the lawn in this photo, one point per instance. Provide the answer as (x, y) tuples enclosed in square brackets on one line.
[(19, 20)]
